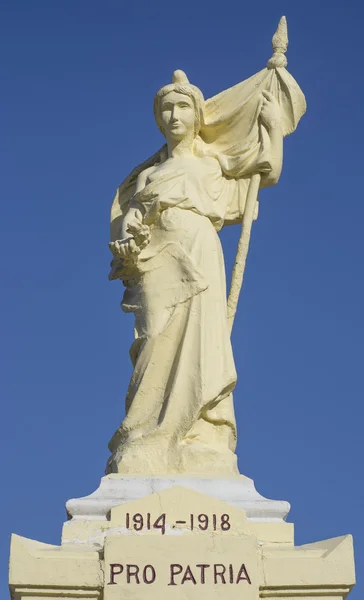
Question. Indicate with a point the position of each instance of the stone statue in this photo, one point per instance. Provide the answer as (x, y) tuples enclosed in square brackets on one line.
[(173, 517), (165, 220)]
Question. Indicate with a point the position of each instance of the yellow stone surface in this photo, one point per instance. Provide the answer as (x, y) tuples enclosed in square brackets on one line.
[(185, 510), (179, 504), (154, 566), (159, 546), (44, 571)]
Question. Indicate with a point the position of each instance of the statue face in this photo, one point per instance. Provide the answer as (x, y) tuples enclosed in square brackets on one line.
[(177, 116)]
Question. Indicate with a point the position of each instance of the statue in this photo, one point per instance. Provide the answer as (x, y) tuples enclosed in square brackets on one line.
[(165, 220)]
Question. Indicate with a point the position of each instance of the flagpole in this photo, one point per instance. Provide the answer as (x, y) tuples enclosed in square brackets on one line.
[(243, 248), (279, 43)]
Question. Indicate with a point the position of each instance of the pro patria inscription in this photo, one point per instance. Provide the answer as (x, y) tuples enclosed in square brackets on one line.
[(180, 574), (181, 565)]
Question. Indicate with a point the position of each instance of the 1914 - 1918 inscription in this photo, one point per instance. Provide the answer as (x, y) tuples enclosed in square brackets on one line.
[(193, 522), (180, 574)]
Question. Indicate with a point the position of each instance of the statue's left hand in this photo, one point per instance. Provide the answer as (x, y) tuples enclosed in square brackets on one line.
[(127, 250), (139, 231), (270, 113)]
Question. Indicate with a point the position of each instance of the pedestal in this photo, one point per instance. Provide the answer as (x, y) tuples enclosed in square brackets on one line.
[(148, 538)]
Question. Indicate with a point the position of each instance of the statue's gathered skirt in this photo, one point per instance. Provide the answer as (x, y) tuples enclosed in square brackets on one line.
[(179, 410)]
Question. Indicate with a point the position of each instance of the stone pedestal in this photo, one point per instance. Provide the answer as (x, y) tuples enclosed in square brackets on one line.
[(146, 539)]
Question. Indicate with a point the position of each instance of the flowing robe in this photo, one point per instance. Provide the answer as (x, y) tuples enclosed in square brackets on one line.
[(179, 402)]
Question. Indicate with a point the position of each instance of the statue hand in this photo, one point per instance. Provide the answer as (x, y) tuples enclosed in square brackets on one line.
[(139, 231), (270, 113), (127, 249)]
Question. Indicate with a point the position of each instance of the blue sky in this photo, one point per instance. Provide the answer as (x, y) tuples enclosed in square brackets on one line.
[(79, 78)]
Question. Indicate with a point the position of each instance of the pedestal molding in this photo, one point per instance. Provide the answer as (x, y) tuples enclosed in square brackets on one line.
[(18, 592), (115, 490), (305, 591)]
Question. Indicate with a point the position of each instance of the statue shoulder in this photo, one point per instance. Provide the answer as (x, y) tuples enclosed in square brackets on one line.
[(142, 178)]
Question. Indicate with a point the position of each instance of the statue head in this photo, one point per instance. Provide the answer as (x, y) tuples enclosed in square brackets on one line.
[(179, 108)]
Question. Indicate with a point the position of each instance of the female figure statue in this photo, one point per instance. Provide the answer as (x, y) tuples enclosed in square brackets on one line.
[(165, 219)]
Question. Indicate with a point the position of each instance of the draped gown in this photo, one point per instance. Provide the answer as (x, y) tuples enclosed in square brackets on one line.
[(179, 411)]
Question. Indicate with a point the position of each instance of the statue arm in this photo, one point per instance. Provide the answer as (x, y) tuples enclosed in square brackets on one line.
[(134, 234), (135, 210)]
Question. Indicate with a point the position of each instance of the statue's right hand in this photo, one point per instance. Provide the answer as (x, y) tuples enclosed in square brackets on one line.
[(125, 249)]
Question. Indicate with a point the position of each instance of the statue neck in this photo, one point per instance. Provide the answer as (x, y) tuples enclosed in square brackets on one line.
[(180, 147)]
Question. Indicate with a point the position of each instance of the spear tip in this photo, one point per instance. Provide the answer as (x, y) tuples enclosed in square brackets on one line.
[(280, 44), (280, 38)]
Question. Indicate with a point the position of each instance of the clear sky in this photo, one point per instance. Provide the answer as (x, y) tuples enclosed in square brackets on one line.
[(79, 78)]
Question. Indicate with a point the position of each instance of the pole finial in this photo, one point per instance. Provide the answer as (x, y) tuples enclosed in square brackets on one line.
[(280, 44)]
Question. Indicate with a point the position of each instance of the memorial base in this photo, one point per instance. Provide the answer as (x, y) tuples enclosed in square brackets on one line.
[(177, 542), (89, 520)]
